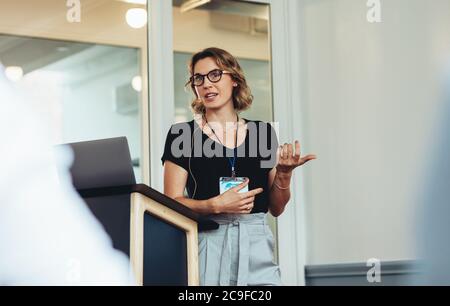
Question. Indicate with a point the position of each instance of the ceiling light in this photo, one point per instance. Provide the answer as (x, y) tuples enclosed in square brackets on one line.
[(136, 17), (136, 83), (143, 2)]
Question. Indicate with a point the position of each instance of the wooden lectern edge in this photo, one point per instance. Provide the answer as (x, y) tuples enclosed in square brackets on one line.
[(203, 222)]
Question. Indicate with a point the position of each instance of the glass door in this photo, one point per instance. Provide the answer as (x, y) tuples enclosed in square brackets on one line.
[(91, 58)]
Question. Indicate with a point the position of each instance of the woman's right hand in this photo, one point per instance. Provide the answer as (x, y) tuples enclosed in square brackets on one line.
[(233, 202)]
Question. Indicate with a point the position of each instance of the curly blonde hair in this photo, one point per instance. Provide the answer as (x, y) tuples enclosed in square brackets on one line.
[(242, 96)]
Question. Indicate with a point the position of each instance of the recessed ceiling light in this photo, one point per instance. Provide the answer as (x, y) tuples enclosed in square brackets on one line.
[(136, 83), (136, 17), (143, 2)]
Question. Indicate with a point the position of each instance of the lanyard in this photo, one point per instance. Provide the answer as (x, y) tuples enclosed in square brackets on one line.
[(232, 161)]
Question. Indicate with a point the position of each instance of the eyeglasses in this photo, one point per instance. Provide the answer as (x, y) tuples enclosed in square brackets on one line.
[(214, 76)]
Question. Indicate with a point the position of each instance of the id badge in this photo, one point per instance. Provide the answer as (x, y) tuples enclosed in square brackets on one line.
[(226, 183)]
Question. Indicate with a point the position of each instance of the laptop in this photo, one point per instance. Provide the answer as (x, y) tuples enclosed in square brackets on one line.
[(106, 163), (102, 163)]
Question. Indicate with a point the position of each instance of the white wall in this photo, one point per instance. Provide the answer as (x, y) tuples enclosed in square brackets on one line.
[(369, 95)]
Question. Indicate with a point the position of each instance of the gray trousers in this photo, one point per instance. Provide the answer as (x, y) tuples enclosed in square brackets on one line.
[(239, 253)]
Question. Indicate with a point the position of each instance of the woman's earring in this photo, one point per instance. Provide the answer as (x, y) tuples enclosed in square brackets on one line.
[(235, 85)]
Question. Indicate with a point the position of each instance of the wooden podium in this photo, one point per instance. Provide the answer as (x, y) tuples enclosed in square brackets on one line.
[(158, 233)]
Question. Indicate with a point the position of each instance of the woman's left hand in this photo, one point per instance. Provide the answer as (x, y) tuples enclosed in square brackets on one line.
[(288, 160)]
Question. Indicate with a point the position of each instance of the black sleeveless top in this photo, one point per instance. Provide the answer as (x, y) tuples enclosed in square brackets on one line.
[(256, 156)]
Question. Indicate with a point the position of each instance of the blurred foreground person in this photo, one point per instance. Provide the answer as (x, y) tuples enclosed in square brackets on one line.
[(47, 234), (434, 242)]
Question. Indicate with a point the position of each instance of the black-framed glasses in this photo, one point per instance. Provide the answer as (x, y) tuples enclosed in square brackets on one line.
[(213, 76)]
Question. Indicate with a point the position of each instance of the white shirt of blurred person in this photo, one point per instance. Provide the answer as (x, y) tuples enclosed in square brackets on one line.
[(48, 236)]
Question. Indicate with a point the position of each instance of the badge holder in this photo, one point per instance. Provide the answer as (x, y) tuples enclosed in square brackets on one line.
[(226, 183)]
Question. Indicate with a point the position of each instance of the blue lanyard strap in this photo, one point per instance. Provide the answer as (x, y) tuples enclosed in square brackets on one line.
[(232, 163)]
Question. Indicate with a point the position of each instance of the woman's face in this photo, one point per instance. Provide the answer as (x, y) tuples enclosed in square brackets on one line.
[(213, 95)]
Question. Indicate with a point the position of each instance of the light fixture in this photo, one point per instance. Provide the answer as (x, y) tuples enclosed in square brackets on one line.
[(136, 17), (136, 83), (14, 73), (143, 2), (192, 4)]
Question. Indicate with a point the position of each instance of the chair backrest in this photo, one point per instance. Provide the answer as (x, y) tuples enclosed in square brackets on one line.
[(104, 164)]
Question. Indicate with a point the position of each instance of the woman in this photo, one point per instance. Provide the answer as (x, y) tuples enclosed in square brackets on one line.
[(240, 252)]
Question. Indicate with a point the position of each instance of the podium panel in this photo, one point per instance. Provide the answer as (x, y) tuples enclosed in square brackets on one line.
[(156, 232), (165, 256)]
